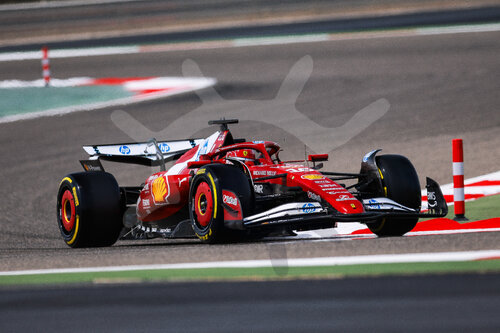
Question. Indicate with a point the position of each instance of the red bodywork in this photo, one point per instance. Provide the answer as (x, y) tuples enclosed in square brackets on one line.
[(166, 193)]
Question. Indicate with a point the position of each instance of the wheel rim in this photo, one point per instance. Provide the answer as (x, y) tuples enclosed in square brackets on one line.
[(68, 211), (204, 204)]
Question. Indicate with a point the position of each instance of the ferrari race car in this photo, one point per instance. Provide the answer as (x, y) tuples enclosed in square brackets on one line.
[(224, 189)]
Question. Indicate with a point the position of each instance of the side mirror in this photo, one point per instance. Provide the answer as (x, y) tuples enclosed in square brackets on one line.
[(317, 157)]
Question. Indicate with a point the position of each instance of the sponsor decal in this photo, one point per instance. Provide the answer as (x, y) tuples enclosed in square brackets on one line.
[(182, 180), (345, 197), (333, 192), (125, 150), (431, 199), (201, 150), (146, 203), (353, 206), (313, 196), (308, 208), (330, 185), (200, 171), (164, 147), (322, 182), (89, 167), (264, 173), (374, 204), (230, 199), (312, 177), (298, 169), (258, 188), (257, 142), (152, 177), (159, 188), (92, 165)]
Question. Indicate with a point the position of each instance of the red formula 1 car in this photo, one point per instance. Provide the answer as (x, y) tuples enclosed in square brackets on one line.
[(221, 189)]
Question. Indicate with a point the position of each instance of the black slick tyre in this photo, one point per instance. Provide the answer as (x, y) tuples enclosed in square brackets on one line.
[(89, 209), (206, 200), (399, 183)]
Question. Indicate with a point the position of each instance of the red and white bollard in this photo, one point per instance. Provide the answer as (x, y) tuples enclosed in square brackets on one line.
[(458, 180), (46, 65)]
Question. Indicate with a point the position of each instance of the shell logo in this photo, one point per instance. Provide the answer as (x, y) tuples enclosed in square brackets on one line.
[(159, 189), (312, 177)]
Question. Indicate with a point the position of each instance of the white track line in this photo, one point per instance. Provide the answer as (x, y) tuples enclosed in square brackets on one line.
[(302, 262), (254, 41), (59, 4), (70, 53)]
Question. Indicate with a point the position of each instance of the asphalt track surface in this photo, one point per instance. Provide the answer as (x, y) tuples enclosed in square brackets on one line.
[(439, 87), (446, 303), (409, 20), (153, 20)]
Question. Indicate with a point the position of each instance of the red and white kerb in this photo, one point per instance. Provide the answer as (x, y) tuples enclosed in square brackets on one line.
[(46, 65), (458, 178)]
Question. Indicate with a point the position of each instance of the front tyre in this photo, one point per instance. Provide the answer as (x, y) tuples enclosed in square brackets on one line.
[(206, 207), (89, 209), (399, 183)]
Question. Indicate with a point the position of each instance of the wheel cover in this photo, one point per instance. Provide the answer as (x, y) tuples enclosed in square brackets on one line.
[(203, 204), (68, 211)]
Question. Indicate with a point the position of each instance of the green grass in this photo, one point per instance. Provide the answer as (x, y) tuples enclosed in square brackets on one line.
[(265, 273), (477, 210), (480, 209)]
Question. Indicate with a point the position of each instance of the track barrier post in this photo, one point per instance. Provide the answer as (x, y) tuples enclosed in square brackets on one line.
[(46, 66), (458, 180)]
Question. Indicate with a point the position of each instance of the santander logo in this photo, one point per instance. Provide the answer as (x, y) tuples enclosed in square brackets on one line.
[(230, 199)]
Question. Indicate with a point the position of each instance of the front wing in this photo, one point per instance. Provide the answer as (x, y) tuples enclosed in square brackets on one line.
[(314, 215)]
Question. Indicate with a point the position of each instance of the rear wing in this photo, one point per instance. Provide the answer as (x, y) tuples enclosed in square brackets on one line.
[(150, 153)]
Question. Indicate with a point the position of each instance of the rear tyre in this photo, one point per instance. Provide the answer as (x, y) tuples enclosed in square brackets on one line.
[(89, 209), (399, 183), (206, 205)]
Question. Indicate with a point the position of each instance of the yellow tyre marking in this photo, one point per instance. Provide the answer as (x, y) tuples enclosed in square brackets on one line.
[(76, 230), (381, 226), (215, 193), (76, 198), (65, 178), (385, 187)]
